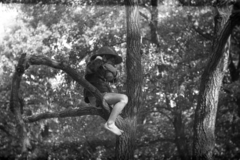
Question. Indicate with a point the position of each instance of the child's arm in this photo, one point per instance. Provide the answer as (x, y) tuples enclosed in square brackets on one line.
[(113, 72), (111, 68)]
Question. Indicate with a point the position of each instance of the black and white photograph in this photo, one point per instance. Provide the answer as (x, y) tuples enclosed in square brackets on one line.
[(119, 79)]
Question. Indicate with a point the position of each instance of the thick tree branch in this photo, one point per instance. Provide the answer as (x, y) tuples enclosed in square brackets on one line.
[(63, 114)]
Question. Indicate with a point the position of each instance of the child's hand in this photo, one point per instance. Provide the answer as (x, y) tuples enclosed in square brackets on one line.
[(110, 68)]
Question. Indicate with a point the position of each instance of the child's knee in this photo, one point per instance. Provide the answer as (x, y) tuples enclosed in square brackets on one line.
[(124, 99)]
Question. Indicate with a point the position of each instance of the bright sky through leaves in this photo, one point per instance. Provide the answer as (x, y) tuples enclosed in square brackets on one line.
[(7, 18)]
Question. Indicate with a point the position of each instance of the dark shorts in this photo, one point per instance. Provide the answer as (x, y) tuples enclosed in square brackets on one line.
[(102, 87)]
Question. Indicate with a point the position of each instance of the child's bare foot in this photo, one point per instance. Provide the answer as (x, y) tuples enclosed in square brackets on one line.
[(113, 128)]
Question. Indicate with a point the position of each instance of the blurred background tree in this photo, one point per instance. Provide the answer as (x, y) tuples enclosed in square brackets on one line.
[(176, 42)]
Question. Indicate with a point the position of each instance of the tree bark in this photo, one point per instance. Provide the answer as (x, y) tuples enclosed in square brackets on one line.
[(125, 144), (63, 114), (179, 128), (154, 22), (16, 105), (211, 81)]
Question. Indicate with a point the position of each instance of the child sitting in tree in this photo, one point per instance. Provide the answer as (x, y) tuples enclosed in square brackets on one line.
[(100, 72)]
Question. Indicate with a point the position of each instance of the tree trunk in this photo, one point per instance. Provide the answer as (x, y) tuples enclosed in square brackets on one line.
[(126, 143), (16, 106), (180, 138), (211, 81), (154, 22)]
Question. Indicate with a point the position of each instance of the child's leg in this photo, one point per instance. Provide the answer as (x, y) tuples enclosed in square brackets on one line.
[(92, 101), (119, 101)]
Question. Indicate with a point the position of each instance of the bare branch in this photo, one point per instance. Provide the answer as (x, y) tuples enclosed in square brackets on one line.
[(63, 114), (200, 32), (144, 16)]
